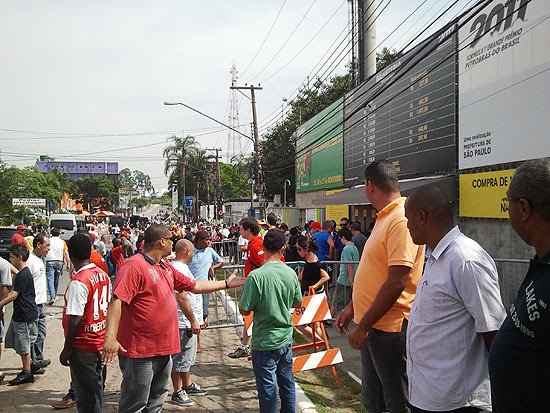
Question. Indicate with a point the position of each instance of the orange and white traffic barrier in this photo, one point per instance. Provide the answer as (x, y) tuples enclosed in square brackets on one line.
[(316, 360)]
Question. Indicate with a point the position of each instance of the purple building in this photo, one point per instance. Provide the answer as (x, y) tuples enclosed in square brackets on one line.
[(77, 170)]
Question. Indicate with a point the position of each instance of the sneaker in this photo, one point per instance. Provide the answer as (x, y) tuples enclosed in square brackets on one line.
[(2, 376), (240, 352), (36, 369), (194, 390), (182, 399), (51, 302), (22, 377), (64, 403), (44, 363)]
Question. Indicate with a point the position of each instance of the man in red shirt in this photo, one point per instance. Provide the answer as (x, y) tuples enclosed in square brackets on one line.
[(84, 317), (18, 237), (142, 322), (250, 230), (96, 258)]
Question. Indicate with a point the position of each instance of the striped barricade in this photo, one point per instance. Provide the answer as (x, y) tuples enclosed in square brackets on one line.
[(314, 309)]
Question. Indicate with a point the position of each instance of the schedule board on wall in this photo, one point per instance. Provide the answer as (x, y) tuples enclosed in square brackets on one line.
[(406, 113), (504, 83)]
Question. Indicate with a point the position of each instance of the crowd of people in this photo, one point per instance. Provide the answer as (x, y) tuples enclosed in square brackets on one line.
[(429, 322)]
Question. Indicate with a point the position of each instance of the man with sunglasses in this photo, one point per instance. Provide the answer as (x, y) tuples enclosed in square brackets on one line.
[(142, 324), (519, 358)]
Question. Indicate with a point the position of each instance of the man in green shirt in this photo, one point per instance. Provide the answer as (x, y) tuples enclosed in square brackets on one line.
[(270, 291)]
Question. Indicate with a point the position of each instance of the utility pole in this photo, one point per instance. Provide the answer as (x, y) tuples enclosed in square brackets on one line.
[(257, 171), (217, 201), (367, 38)]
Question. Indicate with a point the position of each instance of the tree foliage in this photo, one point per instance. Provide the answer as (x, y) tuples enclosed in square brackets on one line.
[(135, 180), (28, 183), (234, 184), (386, 56), (95, 192)]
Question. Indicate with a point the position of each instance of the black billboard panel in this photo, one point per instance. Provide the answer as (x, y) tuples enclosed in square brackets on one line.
[(406, 113)]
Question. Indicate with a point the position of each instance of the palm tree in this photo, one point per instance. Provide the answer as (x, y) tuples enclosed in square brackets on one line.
[(201, 169), (176, 154)]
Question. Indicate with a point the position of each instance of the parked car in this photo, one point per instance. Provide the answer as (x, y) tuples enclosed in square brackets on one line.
[(67, 223), (6, 233)]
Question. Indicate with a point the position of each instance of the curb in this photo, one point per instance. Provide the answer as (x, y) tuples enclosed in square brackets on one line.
[(303, 404)]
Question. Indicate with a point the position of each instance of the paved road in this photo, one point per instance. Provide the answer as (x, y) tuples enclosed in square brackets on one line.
[(230, 383)]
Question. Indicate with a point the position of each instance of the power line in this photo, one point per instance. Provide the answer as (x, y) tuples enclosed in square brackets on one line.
[(285, 42), (268, 33), (307, 44)]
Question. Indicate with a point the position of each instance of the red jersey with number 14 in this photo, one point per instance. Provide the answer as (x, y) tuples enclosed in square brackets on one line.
[(89, 298)]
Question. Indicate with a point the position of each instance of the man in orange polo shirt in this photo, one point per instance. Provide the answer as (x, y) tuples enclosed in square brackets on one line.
[(383, 292)]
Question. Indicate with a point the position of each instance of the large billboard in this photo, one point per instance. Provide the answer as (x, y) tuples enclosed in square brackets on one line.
[(504, 83), (405, 113), (319, 150)]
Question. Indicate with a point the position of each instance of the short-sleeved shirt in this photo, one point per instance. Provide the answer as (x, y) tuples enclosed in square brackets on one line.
[(519, 359), (256, 255), (38, 271), (195, 300), (17, 238), (359, 240), (202, 261), (88, 296), (24, 306), (349, 253), (243, 241), (149, 321), (57, 246), (5, 276), (97, 259), (320, 239), (272, 327), (457, 300), (390, 244)]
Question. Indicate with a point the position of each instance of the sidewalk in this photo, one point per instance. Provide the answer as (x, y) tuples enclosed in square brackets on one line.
[(229, 382)]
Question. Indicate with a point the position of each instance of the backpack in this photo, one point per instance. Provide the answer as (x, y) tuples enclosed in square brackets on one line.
[(112, 267)]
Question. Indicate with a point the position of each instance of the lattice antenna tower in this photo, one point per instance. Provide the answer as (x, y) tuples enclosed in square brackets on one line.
[(234, 148)]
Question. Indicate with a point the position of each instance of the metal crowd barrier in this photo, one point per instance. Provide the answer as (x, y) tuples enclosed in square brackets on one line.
[(227, 249), (224, 306)]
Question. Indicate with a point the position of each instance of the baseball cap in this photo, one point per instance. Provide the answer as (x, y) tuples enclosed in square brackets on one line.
[(124, 234), (20, 227), (316, 225)]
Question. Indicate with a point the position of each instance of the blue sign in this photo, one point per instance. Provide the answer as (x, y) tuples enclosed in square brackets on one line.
[(188, 201)]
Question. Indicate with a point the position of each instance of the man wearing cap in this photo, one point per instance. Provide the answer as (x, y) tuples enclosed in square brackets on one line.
[(18, 237)]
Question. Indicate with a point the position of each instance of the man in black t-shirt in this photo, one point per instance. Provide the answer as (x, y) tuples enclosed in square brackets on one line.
[(519, 359), (23, 329)]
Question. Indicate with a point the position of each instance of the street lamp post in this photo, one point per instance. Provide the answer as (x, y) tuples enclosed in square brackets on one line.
[(284, 187)]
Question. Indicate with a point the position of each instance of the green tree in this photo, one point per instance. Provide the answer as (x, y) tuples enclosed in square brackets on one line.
[(386, 56), (176, 154), (95, 192), (234, 184), (27, 183)]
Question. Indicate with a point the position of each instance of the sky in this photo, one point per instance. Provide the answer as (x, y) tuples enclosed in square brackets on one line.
[(86, 81)]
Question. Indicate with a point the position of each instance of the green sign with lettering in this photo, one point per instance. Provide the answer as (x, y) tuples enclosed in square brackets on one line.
[(319, 150)]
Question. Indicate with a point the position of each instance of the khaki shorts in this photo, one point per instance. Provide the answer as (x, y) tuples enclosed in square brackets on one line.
[(21, 336)]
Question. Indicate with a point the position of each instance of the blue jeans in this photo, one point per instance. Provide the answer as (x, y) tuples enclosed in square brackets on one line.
[(144, 383), (54, 269), (274, 367), (37, 349), (384, 362), (87, 379)]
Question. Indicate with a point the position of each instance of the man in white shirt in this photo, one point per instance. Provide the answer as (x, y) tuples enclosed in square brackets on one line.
[(189, 319), (101, 247), (7, 271), (242, 245), (56, 256), (455, 315), (41, 245)]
